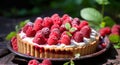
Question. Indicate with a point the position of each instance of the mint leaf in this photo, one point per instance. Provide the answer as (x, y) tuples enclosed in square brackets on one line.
[(102, 2), (114, 38), (91, 14), (72, 63), (68, 33), (73, 29), (102, 24), (10, 35), (67, 26), (22, 23), (108, 21), (116, 46), (67, 63)]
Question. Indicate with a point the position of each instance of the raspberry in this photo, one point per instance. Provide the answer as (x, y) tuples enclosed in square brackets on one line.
[(105, 31), (66, 18), (13, 38), (55, 34), (64, 33), (103, 45), (47, 22), (65, 39), (86, 30), (26, 26), (55, 26), (45, 31), (82, 24), (52, 40), (55, 30), (78, 37), (33, 62), (115, 29), (38, 24), (75, 21), (56, 19), (39, 38), (30, 32), (15, 47), (42, 64), (62, 28), (75, 26), (46, 61)]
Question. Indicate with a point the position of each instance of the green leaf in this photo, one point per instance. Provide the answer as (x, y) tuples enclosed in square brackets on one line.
[(102, 24), (72, 63), (67, 63), (91, 14), (10, 35), (22, 23), (108, 21), (73, 29), (67, 26), (102, 2), (68, 33), (116, 46), (17, 28), (114, 38)]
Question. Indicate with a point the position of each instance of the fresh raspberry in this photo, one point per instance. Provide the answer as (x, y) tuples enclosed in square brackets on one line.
[(62, 28), (115, 29), (33, 62), (56, 19), (30, 32), (75, 26), (55, 34), (64, 33), (29, 24), (14, 43), (46, 61), (105, 31), (45, 31), (65, 39), (38, 24), (86, 31), (66, 18), (42, 64), (82, 24), (39, 38), (47, 22), (103, 45), (52, 40), (78, 37), (15, 47), (55, 30), (13, 38), (75, 21), (55, 26)]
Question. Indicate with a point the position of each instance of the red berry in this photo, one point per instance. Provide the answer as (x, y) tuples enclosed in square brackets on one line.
[(42, 64), (103, 45), (39, 38), (82, 24), (29, 24), (55, 26), (115, 29), (33, 62), (45, 31), (56, 19), (52, 40), (78, 37), (47, 22), (75, 21), (46, 61), (105, 31), (13, 38), (55, 30), (86, 31), (66, 18), (38, 24), (30, 32), (55, 34), (65, 39)]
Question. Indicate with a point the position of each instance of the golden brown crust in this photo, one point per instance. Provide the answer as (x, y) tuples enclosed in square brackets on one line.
[(27, 48)]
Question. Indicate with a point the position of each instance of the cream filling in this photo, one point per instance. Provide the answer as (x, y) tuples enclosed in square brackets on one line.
[(86, 41)]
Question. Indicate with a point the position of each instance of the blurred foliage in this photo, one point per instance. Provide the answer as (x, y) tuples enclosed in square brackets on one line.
[(22, 8)]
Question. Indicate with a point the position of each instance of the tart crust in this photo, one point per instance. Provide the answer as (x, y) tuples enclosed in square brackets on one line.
[(53, 52)]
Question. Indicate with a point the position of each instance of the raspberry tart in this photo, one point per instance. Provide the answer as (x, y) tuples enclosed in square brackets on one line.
[(57, 37)]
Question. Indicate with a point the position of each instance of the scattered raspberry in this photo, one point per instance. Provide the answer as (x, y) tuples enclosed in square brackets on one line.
[(30, 32), (45, 31), (62, 28), (103, 45), (39, 39), (65, 39), (14, 43), (33, 62), (55, 26), (47, 22), (82, 24), (38, 24), (86, 30), (78, 37), (52, 40), (115, 29), (26, 26), (56, 19), (46, 61), (105, 31)]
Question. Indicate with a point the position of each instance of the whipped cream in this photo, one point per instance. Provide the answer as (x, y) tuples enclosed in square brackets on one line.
[(86, 41)]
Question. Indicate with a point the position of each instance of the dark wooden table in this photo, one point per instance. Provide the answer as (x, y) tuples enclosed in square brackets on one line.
[(110, 57)]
